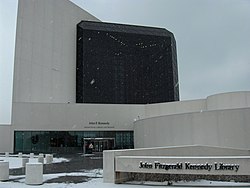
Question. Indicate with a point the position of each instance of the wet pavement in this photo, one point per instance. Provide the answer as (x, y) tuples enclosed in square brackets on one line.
[(76, 163)]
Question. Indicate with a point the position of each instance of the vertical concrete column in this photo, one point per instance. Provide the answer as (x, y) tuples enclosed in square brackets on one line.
[(49, 158), (4, 170), (34, 174), (20, 155), (24, 161), (109, 166), (41, 159), (41, 154), (31, 155), (7, 154)]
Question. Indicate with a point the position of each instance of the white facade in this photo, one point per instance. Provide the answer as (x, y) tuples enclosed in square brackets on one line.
[(44, 92), (75, 117), (45, 55), (220, 120), (6, 138), (203, 122), (45, 60)]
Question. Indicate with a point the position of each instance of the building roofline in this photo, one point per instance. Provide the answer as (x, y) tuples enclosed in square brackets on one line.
[(116, 27)]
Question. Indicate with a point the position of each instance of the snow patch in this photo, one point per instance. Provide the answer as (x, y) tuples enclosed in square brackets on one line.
[(15, 162)]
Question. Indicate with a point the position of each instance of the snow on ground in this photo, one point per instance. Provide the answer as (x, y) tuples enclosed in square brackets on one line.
[(98, 183), (198, 183), (94, 183), (96, 179), (15, 162)]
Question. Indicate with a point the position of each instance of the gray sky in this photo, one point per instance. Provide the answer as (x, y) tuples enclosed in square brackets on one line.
[(213, 42)]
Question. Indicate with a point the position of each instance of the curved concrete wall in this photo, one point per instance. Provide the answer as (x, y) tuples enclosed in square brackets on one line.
[(225, 128), (152, 110), (214, 102), (229, 100)]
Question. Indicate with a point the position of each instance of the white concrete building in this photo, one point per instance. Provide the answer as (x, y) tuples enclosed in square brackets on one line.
[(219, 120), (45, 117)]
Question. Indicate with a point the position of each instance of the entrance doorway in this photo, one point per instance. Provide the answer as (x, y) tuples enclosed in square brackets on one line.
[(98, 144)]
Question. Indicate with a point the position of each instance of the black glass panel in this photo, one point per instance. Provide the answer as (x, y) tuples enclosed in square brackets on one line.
[(121, 64)]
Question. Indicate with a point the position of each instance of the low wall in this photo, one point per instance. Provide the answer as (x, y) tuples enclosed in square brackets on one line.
[(170, 178), (222, 128), (231, 100), (124, 165), (134, 167)]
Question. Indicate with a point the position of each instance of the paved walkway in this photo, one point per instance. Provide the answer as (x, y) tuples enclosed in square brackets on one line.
[(77, 162)]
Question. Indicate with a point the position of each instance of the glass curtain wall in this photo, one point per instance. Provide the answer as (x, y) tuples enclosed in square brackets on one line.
[(71, 141)]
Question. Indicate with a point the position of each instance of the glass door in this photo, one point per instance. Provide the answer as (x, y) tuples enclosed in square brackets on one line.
[(98, 144)]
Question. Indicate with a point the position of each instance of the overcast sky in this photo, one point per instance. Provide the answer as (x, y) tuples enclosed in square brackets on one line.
[(213, 41)]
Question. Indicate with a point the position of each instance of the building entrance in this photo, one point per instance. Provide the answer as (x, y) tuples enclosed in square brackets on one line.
[(71, 141), (98, 144)]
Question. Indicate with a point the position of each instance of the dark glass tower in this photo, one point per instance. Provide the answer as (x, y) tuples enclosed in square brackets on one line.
[(125, 64)]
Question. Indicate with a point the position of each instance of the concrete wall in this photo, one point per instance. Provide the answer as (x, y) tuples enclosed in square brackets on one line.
[(130, 164), (220, 120), (152, 110), (109, 157), (220, 101), (45, 75), (74, 117), (182, 150), (45, 51), (226, 128), (229, 100), (6, 138)]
